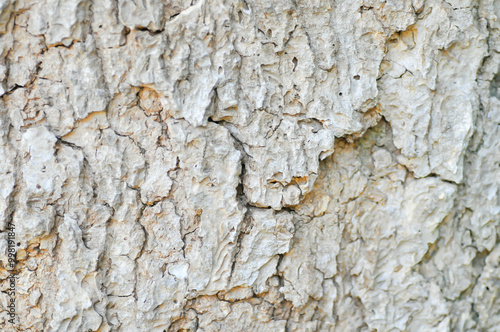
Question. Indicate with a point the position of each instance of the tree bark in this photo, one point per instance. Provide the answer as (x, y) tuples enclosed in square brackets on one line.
[(236, 165)]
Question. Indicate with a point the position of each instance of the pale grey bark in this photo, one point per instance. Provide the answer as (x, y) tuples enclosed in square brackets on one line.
[(237, 165)]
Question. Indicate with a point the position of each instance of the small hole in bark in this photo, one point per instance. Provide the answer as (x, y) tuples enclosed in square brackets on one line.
[(340, 93), (357, 77), (295, 62)]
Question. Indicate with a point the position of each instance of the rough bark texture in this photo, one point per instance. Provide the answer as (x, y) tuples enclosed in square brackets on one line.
[(251, 165)]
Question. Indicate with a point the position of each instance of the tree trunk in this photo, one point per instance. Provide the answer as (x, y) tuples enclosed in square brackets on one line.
[(237, 165)]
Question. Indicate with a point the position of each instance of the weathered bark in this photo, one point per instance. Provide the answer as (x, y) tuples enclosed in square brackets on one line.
[(237, 165)]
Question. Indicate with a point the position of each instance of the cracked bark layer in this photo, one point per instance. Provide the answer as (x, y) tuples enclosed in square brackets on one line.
[(238, 165)]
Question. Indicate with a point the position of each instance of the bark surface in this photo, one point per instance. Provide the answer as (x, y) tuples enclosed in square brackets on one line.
[(250, 165)]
